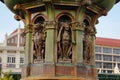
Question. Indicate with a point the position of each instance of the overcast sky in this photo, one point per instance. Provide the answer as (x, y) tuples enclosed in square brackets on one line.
[(108, 26)]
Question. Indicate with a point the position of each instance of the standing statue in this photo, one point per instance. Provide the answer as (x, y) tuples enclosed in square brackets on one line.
[(65, 42), (39, 42), (87, 45)]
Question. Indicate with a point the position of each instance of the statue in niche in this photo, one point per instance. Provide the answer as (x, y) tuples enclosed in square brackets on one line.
[(65, 40), (87, 45), (39, 42)]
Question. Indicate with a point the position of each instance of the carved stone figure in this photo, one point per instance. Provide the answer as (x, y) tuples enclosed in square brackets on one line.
[(39, 41), (87, 45), (65, 42)]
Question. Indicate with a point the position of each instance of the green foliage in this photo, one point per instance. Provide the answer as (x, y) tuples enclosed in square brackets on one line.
[(109, 76), (7, 76)]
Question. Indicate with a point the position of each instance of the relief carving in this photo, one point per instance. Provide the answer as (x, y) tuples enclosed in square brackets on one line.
[(87, 45)]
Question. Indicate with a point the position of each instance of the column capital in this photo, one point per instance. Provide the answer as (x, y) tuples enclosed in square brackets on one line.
[(78, 26), (93, 31), (50, 24), (29, 28)]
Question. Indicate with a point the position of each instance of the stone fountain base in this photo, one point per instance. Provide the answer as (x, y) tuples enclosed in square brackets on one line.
[(59, 71)]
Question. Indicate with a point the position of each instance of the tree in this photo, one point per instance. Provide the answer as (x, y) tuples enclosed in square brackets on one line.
[(7, 76)]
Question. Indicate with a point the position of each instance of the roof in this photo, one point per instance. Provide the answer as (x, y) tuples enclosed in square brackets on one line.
[(107, 42), (15, 31)]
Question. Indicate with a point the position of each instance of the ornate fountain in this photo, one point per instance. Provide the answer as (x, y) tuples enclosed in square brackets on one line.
[(60, 36)]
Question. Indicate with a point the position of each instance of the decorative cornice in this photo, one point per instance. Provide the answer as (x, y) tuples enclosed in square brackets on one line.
[(94, 8), (33, 4)]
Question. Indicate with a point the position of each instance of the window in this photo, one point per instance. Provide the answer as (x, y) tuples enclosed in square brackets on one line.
[(98, 57), (107, 65), (98, 64), (117, 58), (107, 58), (11, 60), (97, 49), (107, 50), (21, 60), (116, 51), (118, 65)]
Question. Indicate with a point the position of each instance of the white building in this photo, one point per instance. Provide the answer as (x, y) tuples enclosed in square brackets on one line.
[(12, 52)]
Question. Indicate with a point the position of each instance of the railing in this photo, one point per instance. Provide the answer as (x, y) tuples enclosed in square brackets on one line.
[(11, 66)]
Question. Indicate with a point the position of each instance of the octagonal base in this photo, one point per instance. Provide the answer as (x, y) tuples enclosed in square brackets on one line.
[(59, 71)]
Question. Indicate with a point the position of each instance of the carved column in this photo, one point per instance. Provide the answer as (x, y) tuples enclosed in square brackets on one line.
[(28, 53), (49, 52), (78, 54), (79, 36), (93, 32), (28, 46), (49, 66)]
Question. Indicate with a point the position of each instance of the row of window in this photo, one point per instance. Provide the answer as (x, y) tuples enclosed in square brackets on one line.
[(107, 58), (107, 50), (105, 65), (13, 60)]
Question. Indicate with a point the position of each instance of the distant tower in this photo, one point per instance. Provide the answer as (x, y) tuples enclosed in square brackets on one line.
[(60, 36)]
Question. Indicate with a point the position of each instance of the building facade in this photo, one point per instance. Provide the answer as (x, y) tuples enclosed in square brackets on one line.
[(12, 52), (107, 54)]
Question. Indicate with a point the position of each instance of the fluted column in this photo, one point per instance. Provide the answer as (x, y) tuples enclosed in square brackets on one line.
[(79, 27)]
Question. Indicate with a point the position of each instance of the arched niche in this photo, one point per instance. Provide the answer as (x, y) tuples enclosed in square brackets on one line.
[(64, 18), (64, 38), (39, 19), (39, 39)]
